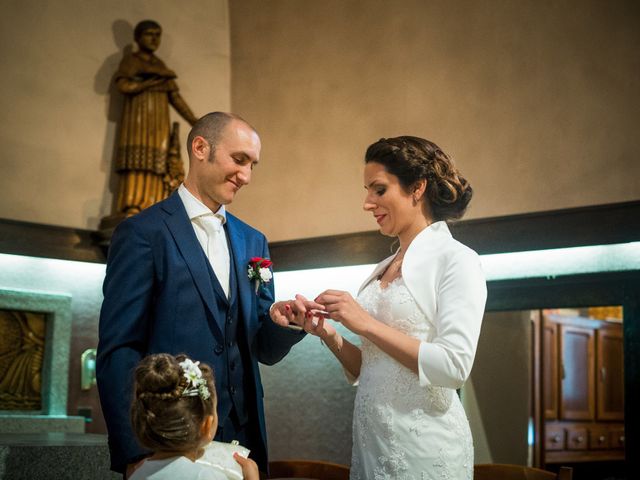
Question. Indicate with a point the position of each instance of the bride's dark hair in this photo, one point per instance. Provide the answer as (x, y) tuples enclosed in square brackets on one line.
[(163, 419), (412, 159)]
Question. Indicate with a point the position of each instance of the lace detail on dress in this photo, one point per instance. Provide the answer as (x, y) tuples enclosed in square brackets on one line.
[(402, 430)]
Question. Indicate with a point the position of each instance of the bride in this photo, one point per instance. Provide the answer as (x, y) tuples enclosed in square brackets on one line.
[(418, 316)]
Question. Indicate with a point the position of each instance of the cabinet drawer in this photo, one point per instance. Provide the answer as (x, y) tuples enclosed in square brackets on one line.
[(616, 438), (577, 438), (554, 438), (599, 438)]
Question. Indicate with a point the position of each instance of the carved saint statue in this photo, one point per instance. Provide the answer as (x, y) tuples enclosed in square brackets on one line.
[(148, 153), (21, 352)]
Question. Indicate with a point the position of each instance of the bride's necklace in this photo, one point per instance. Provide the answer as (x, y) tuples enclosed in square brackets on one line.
[(396, 264)]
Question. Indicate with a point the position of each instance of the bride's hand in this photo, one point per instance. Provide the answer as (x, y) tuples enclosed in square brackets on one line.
[(342, 307)]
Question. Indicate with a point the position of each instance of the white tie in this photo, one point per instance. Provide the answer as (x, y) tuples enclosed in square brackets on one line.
[(217, 249)]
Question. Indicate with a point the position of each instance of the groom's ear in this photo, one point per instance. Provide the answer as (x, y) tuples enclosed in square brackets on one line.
[(200, 148)]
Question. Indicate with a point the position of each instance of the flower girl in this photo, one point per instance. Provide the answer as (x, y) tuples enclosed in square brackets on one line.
[(174, 415)]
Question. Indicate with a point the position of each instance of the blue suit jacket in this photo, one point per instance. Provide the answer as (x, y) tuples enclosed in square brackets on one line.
[(159, 297)]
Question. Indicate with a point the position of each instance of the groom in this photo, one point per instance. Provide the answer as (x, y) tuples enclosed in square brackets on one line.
[(177, 282)]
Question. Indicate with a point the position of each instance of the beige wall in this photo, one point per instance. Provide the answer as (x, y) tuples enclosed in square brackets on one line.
[(309, 404), (57, 115), (539, 101), (497, 397)]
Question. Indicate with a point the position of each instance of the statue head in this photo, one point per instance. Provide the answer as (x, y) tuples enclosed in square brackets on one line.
[(147, 35)]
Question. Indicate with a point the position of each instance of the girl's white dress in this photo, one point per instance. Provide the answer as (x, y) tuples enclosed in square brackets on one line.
[(216, 463), (176, 468)]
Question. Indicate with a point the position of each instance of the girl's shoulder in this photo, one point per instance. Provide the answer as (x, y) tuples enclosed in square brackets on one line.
[(176, 468)]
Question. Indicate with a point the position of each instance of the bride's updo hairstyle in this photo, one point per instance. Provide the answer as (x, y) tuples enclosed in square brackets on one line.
[(412, 159), (166, 413)]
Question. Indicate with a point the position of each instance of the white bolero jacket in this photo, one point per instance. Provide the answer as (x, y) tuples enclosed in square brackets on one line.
[(446, 280)]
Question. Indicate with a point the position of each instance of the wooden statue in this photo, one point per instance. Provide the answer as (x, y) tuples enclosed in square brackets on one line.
[(22, 347), (148, 172)]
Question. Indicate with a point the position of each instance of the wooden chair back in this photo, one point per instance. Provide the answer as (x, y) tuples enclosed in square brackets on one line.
[(308, 469), (497, 471)]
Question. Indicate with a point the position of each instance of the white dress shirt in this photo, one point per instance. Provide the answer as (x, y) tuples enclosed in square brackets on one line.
[(209, 229)]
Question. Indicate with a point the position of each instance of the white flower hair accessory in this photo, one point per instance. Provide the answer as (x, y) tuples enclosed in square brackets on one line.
[(196, 384)]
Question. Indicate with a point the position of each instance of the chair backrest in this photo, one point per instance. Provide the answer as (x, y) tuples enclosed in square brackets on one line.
[(497, 471), (308, 469)]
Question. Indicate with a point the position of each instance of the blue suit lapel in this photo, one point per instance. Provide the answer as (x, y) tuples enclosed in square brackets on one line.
[(187, 244), (239, 249)]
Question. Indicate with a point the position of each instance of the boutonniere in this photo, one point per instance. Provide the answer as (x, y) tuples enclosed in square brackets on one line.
[(259, 271)]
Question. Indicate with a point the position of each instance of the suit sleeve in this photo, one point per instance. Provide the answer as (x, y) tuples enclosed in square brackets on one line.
[(447, 360), (123, 328), (274, 341)]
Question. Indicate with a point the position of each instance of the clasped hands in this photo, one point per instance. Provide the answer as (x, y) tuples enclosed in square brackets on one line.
[(311, 314)]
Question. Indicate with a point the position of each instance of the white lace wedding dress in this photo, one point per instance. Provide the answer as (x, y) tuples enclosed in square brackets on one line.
[(403, 431)]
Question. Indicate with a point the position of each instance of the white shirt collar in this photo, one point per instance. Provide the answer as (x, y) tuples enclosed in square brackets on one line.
[(195, 208)]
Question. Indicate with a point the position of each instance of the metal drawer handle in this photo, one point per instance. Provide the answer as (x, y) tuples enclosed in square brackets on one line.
[(601, 439)]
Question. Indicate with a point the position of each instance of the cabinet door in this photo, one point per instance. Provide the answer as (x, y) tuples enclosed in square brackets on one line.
[(577, 371), (550, 370), (610, 382)]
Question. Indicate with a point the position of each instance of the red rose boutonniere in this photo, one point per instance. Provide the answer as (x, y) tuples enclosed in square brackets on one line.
[(259, 271)]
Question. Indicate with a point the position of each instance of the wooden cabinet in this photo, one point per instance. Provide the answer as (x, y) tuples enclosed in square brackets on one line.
[(577, 368), (610, 382), (568, 442), (616, 438), (550, 369), (555, 438), (577, 437), (599, 438), (581, 389)]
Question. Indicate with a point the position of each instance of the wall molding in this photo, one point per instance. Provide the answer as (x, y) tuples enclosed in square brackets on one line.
[(50, 241), (592, 225)]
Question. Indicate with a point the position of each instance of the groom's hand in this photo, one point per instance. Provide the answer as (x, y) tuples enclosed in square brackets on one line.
[(292, 312)]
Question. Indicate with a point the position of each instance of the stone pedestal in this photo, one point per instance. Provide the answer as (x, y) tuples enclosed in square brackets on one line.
[(52, 417), (40, 424), (55, 456)]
